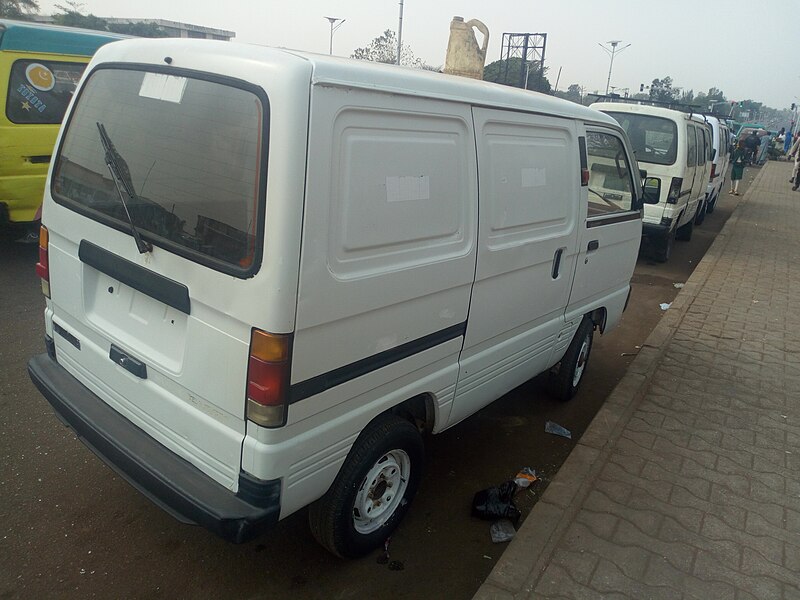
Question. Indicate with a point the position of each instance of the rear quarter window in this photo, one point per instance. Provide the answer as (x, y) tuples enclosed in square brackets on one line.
[(194, 150), (39, 91)]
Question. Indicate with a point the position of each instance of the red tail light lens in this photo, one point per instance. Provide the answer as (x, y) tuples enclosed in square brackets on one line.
[(268, 378), (713, 172), (675, 190), (43, 266)]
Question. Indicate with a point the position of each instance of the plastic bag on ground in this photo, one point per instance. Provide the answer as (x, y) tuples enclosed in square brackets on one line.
[(496, 503), (525, 477), (502, 531)]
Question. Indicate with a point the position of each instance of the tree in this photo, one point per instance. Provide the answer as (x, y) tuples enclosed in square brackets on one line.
[(18, 9), (140, 29), (383, 49), (661, 90), (512, 72), (573, 93)]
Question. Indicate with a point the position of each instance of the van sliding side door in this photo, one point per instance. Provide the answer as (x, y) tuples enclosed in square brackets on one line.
[(529, 182)]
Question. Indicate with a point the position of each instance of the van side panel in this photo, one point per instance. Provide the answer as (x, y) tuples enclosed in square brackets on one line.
[(529, 190), (386, 270)]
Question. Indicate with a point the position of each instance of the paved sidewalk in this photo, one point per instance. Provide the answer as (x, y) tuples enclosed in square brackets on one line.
[(687, 482)]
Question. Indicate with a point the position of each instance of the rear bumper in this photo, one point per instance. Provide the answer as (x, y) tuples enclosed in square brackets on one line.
[(657, 229), (167, 479)]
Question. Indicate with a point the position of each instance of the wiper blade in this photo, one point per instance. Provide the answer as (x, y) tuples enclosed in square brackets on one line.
[(122, 176)]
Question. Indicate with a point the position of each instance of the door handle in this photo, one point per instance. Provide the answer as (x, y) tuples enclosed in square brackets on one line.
[(557, 262), (593, 245)]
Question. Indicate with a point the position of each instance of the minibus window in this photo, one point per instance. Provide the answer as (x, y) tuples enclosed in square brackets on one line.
[(610, 183), (192, 152), (654, 139), (39, 91)]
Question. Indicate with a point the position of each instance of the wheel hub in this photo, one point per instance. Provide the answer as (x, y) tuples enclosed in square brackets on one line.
[(381, 492)]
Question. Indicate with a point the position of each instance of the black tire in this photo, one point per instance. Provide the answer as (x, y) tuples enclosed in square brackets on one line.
[(700, 216), (567, 375), (713, 203), (662, 246), (684, 232), (334, 519)]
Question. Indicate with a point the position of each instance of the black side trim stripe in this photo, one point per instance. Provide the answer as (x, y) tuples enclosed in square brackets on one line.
[(598, 222), (156, 286), (320, 383), (67, 335)]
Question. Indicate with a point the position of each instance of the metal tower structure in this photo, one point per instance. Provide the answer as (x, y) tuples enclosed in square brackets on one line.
[(530, 48)]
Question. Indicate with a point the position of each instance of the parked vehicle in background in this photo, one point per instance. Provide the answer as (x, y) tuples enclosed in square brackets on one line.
[(719, 163), (40, 65), (239, 346), (674, 148)]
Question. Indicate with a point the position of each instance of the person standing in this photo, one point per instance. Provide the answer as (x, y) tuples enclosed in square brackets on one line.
[(794, 151), (738, 160)]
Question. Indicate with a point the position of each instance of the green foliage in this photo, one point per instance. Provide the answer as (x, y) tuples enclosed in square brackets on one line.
[(18, 9), (512, 72), (661, 90), (383, 49), (148, 30)]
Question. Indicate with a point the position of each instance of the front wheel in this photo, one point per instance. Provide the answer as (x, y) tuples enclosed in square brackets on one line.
[(568, 374), (373, 489)]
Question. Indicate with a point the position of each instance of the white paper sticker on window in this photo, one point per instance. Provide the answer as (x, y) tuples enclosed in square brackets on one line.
[(534, 177), (404, 189), (163, 87)]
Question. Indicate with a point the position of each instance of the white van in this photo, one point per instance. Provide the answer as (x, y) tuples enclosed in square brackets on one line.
[(719, 163), (675, 149), (329, 259)]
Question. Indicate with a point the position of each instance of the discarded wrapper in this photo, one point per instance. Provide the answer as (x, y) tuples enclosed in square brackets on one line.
[(496, 503), (502, 531), (525, 477), (557, 429)]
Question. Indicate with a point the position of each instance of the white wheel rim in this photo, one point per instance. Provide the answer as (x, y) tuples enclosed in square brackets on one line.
[(583, 355), (381, 491)]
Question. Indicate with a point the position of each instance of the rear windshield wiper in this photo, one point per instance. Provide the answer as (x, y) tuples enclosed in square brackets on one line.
[(122, 175)]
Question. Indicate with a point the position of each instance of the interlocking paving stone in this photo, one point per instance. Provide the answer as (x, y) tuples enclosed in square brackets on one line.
[(692, 485)]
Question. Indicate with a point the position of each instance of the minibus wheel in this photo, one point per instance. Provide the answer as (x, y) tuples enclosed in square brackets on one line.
[(567, 376), (700, 215), (662, 246), (373, 489), (684, 232)]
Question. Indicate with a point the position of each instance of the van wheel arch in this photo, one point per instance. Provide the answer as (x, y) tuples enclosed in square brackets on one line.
[(419, 411)]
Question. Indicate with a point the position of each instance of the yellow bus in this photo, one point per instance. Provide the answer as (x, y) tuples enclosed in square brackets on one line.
[(40, 65)]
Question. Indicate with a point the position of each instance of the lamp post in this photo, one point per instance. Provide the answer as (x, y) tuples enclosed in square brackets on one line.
[(611, 52), (335, 22), (400, 33)]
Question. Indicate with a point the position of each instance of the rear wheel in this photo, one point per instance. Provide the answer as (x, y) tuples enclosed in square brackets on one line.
[(373, 489), (684, 232), (700, 216), (662, 246), (712, 204), (568, 374)]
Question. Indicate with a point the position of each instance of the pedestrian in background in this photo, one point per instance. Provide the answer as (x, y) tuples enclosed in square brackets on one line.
[(794, 151), (738, 159)]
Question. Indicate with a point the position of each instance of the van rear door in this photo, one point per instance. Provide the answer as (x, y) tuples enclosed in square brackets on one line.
[(159, 335)]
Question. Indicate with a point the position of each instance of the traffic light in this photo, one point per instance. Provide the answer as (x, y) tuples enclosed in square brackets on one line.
[(793, 106), (741, 104), (641, 89)]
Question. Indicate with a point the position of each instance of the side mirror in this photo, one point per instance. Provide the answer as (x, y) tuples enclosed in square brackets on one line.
[(651, 190), (713, 153)]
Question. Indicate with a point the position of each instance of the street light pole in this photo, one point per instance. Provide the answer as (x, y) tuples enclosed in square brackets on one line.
[(400, 33), (613, 51), (334, 27)]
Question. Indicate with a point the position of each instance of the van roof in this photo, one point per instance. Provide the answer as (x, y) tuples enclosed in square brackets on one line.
[(644, 109), (52, 39), (350, 73)]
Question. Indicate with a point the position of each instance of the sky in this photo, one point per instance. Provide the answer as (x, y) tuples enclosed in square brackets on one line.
[(697, 47)]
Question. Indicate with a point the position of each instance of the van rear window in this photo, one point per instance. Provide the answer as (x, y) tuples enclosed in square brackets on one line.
[(190, 149), (654, 139)]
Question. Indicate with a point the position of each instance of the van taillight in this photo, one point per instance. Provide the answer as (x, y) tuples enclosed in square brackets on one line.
[(713, 172), (43, 266), (675, 190), (268, 374)]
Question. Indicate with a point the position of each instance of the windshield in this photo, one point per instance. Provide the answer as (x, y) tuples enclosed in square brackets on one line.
[(654, 139), (191, 148), (39, 91)]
